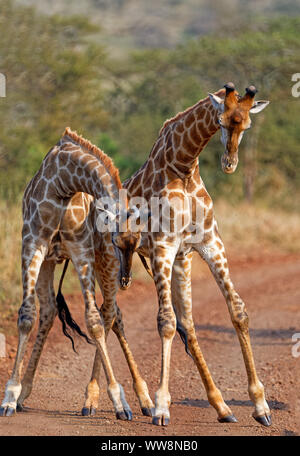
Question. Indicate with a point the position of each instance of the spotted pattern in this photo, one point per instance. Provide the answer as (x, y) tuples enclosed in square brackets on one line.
[(172, 170), (59, 222)]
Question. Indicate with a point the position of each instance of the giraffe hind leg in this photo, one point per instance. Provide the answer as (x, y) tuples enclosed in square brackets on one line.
[(239, 317), (139, 385), (85, 268), (48, 312), (112, 318), (181, 299), (92, 390), (213, 393)]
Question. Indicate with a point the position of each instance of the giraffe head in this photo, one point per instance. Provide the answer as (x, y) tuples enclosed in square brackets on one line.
[(234, 118), (125, 226), (126, 239)]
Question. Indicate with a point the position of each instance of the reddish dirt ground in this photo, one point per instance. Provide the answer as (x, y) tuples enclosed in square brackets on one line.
[(269, 284)]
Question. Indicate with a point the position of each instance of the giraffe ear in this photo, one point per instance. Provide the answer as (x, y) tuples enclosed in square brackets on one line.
[(217, 102), (259, 106)]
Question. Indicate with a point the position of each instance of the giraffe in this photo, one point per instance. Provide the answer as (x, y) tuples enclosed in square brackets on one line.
[(61, 206), (172, 172)]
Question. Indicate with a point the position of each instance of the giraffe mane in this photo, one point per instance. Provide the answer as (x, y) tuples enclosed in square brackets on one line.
[(181, 114), (105, 159)]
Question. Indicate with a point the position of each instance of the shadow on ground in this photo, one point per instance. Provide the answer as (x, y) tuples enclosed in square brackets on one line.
[(274, 405)]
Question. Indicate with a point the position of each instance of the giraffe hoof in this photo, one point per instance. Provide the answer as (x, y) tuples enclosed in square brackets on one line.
[(20, 408), (85, 411), (88, 411), (124, 416), (10, 411), (265, 420), (228, 419), (7, 411), (160, 420), (146, 411)]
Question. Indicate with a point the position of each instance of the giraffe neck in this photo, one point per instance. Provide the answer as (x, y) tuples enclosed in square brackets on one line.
[(81, 170), (182, 138)]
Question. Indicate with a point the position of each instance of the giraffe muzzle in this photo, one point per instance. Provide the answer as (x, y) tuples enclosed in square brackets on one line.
[(229, 163), (125, 282)]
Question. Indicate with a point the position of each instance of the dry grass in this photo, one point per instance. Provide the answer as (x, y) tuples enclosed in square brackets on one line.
[(243, 228), (250, 227), (10, 265)]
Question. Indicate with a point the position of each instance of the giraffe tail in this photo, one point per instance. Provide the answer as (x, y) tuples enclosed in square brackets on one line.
[(183, 337), (145, 264), (65, 315)]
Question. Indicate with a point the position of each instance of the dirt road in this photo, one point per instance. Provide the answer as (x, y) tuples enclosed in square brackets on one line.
[(270, 287)]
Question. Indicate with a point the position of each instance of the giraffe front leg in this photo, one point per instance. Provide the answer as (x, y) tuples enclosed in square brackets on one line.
[(31, 263), (166, 323), (214, 255)]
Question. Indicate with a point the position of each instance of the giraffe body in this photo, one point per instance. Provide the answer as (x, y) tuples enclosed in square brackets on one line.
[(60, 222), (172, 171)]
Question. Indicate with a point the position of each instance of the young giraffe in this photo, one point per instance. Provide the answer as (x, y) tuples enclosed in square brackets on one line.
[(60, 223), (172, 171)]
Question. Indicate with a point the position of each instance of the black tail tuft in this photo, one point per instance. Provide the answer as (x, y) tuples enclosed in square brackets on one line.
[(183, 337), (65, 315), (67, 320)]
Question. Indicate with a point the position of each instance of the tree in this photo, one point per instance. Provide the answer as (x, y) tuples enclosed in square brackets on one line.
[(54, 79)]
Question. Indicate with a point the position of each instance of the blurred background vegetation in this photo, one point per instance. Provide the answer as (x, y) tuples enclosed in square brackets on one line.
[(115, 70)]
